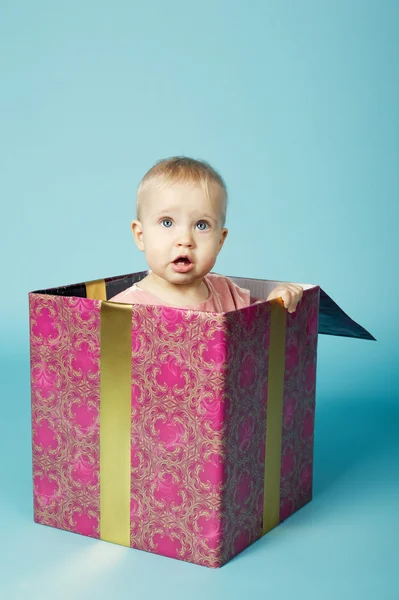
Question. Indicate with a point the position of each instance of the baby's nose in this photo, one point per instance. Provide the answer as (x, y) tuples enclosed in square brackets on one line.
[(185, 238)]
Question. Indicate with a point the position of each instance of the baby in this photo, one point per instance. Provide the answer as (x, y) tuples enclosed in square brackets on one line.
[(181, 213)]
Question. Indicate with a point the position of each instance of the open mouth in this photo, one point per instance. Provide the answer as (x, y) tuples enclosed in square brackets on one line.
[(182, 260)]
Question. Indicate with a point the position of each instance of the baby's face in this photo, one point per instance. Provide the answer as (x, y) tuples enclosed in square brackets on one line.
[(179, 220)]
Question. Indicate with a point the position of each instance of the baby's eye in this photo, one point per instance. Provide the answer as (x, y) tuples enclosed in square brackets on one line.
[(203, 223), (168, 221)]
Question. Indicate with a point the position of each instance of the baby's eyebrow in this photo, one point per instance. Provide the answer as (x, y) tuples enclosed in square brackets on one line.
[(168, 212)]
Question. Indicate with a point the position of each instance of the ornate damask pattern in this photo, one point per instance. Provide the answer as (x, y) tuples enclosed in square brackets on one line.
[(198, 426), (65, 387), (299, 405), (177, 450), (245, 427)]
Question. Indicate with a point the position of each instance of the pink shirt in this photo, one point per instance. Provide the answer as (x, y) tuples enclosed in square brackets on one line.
[(224, 296)]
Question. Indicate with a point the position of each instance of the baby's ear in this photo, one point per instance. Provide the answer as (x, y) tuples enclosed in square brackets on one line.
[(137, 231), (222, 238)]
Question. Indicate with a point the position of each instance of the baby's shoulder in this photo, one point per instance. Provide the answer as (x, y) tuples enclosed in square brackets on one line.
[(231, 293), (223, 284), (125, 295), (218, 279), (222, 281)]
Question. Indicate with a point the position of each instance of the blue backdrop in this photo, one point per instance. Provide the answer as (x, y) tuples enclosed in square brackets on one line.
[(296, 103)]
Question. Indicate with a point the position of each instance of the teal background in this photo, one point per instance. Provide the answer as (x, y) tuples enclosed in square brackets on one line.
[(296, 103)]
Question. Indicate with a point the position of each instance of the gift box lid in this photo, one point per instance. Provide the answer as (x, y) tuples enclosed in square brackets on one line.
[(332, 319)]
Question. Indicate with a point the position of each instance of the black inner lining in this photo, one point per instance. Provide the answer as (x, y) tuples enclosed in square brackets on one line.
[(332, 319), (113, 286)]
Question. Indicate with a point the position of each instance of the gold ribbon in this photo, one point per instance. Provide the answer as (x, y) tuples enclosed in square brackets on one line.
[(95, 290), (274, 419), (115, 418)]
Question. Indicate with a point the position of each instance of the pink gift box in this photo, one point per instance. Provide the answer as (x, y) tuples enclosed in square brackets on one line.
[(215, 444)]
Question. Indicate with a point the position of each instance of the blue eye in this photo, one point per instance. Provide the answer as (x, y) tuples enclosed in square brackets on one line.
[(204, 222), (163, 221)]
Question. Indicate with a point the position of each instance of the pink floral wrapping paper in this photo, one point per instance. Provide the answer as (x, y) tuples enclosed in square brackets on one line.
[(65, 388), (198, 422)]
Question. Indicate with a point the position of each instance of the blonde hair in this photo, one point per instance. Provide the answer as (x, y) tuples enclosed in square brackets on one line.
[(181, 169)]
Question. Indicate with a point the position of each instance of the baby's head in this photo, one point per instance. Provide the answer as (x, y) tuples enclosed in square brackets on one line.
[(181, 211)]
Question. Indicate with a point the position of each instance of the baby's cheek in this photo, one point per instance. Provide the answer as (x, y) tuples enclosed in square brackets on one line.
[(208, 262), (156, 252)]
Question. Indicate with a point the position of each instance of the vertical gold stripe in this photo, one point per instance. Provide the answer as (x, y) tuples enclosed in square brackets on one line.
[(115, 401), (95, 290), (274, 420)]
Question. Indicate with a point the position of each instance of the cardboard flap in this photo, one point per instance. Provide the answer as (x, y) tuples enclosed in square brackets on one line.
[(333, 320)]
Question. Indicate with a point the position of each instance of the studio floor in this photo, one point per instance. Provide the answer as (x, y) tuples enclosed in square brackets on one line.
[(342, 545)]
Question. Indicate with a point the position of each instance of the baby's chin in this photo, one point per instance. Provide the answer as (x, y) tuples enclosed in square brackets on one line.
[(182, 277)]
